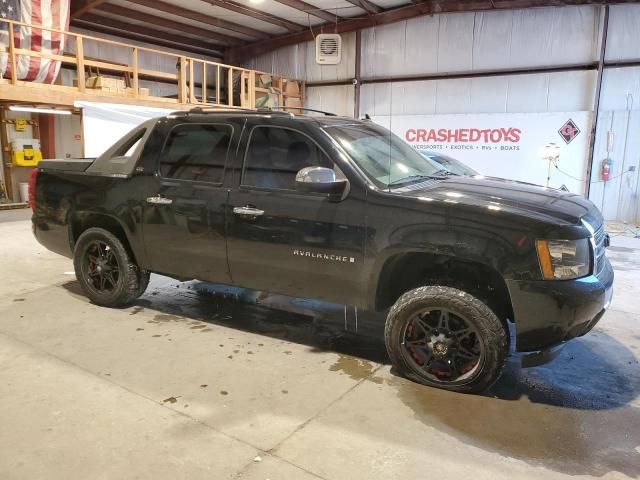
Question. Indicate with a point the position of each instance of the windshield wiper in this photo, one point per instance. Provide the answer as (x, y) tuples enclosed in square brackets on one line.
[(408, 179), (445, 173)]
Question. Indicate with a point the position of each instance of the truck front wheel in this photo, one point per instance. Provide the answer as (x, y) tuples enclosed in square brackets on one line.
[(106, 272), (446, 338)]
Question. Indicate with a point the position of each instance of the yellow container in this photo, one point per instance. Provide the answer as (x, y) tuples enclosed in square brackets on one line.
[(25, 152)]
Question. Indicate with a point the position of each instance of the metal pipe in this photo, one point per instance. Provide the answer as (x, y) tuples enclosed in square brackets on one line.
[(596, 103), (357, 79)]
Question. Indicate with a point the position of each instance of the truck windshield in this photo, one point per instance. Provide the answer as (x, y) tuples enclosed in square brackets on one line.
[(386, 159)]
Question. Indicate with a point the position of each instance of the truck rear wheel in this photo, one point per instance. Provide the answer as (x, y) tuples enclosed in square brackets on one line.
[(446, 338), (106, 272)]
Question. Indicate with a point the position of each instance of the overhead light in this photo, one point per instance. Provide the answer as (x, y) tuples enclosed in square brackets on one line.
[(256, 1), (53, 111)]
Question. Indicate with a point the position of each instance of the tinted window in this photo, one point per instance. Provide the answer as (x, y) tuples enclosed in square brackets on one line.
[(276, 155), (196, 152)]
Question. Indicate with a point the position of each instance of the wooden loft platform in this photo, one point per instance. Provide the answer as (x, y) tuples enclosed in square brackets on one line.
[(197, 82)]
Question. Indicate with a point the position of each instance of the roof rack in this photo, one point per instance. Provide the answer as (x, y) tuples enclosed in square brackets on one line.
[(328, 114), (206, 110)]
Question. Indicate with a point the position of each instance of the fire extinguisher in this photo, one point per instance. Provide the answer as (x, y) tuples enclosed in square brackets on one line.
[(606, 169)]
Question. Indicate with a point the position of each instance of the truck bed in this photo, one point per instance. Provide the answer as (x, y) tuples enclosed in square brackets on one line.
[(75, 165)]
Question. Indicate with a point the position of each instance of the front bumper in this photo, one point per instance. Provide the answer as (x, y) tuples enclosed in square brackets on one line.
[(548, 313)]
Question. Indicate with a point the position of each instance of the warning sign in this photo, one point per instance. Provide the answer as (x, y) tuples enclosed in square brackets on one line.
[(569, 131)]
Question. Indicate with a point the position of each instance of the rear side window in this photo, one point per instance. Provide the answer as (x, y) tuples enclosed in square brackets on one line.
[(275, 155), (196, 152)]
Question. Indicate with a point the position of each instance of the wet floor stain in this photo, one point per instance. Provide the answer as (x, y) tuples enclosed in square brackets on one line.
[(170, 400), (621, 249), (164, 318), (224, 392), (18, 299), (573, 416), (356, 368)]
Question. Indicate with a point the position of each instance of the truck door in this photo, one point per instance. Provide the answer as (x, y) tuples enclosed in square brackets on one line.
[(184, 205), (285, 241)]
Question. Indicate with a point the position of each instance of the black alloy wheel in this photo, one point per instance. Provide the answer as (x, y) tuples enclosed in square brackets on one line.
[(446, 338), (442, 344), (102, 270), (106, 270)]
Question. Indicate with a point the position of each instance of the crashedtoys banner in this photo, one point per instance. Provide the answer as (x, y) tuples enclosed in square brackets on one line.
[(504, 145)]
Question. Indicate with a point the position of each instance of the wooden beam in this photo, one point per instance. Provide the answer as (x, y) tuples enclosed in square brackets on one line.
[(366, 5), (238, 54), (199, 17), (145, 34), (310, 9), (129, 13), (257, 14), (6, 154), (80, 7)]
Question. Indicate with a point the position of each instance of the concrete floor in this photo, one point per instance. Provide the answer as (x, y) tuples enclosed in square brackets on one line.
[(191, 385)]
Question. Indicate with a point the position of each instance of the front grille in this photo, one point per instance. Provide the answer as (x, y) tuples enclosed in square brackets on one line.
[(599, 259)]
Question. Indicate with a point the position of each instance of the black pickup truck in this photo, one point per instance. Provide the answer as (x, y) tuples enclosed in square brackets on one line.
[(340, 210)]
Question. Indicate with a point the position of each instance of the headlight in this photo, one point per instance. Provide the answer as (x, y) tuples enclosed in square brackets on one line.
[(564, 259)]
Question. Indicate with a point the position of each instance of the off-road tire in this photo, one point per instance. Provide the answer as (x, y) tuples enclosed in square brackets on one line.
[(491, 331), (132, 281)]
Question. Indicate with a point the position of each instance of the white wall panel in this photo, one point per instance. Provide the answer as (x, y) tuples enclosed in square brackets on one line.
[(492, 40), (460, 42), (455, 43), (620, 89), (623, 41), (551, 92), (570, 91), (338, 100), (619, 116), (528, 93)]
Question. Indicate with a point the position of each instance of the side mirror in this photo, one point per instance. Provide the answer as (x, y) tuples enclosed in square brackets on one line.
[(320, 180)]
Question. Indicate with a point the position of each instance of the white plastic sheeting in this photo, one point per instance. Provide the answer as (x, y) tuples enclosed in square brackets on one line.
[(105, 123), (468, 42)]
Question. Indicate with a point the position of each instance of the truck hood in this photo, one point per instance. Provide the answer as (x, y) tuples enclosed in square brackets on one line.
[(545, 204)]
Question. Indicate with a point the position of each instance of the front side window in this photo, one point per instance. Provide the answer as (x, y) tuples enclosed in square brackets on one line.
[(196, 152), (275, 155)]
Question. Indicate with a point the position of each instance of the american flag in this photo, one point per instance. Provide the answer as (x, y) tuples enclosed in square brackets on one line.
[(47, 13)]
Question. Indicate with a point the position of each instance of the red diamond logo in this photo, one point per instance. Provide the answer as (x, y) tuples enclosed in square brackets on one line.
[(569, 131)]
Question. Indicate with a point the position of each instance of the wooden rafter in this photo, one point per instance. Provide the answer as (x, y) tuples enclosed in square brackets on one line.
[(310, 9), (257, 14), (163, 22), (238, 54), (129, 31), (366, 5), (80, 7), (200, 17)]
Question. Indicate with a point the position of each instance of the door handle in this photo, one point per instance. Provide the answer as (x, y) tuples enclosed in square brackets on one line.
[(248, 211), (158, 200)]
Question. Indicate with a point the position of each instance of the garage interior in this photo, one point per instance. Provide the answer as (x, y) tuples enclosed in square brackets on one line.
[(197, 380)]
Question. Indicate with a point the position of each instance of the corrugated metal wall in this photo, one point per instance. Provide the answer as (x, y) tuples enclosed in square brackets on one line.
[(479, 42)]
